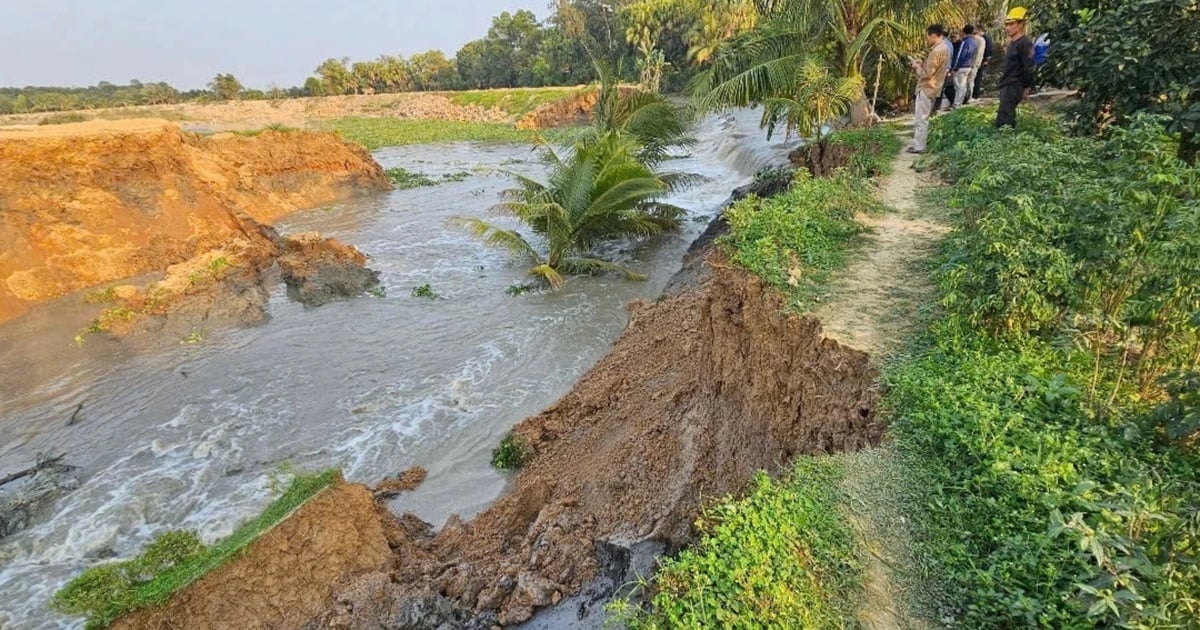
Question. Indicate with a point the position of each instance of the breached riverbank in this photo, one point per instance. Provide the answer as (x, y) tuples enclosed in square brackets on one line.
[(87, 206)]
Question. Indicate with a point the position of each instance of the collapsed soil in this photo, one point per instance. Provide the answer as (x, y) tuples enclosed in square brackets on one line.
[(702, 390), (98, 206)]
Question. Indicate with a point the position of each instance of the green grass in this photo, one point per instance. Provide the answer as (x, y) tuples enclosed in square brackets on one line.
[(795, 240), (376, 133), (173, 561), (871, 149), (782, 556), (63, 118), (276, 127), (425, 291), (516, 101)]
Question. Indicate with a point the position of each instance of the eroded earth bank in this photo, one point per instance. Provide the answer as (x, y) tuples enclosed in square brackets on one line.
[(705, 387), (85, 208)]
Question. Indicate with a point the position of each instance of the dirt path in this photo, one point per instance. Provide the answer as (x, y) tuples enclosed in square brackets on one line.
[(874, 308), (875, 301)]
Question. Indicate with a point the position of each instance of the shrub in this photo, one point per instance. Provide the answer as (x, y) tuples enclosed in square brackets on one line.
[(512, 453)]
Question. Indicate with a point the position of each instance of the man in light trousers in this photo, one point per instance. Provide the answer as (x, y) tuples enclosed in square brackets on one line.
[(977, 62), (963, 65), (930, 75)]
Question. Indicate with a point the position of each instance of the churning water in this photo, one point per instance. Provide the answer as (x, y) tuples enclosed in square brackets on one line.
[(196, 436)]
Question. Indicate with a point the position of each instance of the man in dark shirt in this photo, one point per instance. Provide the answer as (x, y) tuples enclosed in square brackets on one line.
[(988, 51), (1018, 69)]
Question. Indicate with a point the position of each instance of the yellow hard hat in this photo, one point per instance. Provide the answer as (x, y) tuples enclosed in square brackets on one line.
[(1016, 14)]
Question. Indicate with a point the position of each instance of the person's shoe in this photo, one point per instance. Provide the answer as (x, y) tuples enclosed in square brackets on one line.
[(913, 150)]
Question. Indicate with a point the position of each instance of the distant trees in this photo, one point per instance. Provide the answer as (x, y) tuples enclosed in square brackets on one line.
[(104, 94), (225, 87)]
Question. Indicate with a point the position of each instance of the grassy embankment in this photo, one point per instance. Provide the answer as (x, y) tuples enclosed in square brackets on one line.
[(376, 133), (782, 555), (1044, 425), (174, 560)]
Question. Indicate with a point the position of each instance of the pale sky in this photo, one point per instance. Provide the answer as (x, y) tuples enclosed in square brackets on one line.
[(262, 42)]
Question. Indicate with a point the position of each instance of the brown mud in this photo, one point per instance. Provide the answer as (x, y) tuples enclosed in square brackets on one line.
[(96, 206)]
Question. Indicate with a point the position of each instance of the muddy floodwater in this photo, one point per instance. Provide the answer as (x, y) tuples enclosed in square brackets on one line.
[(200, 435)]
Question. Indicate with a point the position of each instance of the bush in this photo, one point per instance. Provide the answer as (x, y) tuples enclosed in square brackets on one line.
[(512, 453), (63, 118), (780, 557)]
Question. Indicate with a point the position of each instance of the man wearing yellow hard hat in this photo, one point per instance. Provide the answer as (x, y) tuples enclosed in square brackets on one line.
[(1018, 68)]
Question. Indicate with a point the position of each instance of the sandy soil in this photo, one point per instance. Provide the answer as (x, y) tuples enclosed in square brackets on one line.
[(99, 201), (299, 112), (875, 301)]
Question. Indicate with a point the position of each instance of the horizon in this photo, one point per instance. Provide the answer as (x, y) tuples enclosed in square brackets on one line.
[(260, 42)]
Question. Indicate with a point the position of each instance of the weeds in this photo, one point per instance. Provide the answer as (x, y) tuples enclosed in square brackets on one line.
[(105, 321), (516, 102), (376, 133), (172, 561), (782, 556), (102, 296), (512, 453), (64, 118), (404, 179), (425, 291), (795, 240)]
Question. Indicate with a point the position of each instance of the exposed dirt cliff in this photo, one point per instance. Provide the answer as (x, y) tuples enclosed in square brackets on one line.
[(83, 209)]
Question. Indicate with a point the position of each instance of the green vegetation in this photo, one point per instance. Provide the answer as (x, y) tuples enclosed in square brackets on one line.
[(275, 127), (101, 296), (376, 133), (425, 291), (1049, 420), (512, 453), (516, 101), (1128, 58), (871, 150), (782, 556), (105, 321), (794, 240), (174, 560), (404, 179), (63, 118)]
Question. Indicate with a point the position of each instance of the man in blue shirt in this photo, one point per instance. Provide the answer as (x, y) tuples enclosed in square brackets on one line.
[(961, 65)]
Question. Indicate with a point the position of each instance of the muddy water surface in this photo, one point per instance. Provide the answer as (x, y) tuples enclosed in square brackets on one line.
[(199, 436)]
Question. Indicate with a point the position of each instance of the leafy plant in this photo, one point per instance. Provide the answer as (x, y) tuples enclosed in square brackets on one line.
[(782, 556), (512, 453), (425, 291)]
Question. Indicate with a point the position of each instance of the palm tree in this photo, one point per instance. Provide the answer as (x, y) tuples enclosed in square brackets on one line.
[(600, 191), (774, 60)]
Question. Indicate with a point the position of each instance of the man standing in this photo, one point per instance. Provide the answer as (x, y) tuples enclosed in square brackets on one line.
[(988, 50), (976, 63), (1018, 69), (963, 66), (931, 74)]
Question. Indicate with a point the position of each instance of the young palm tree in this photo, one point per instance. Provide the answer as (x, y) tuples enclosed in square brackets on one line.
[(600, 191)]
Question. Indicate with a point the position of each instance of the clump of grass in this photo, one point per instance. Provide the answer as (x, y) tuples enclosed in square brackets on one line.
[(795, 240), (425, 291), (64, 118), (276, 127), (782, 556), (105, 321), (172, 561), (102, 296), (193, 338), (512, 453), (376, 133)]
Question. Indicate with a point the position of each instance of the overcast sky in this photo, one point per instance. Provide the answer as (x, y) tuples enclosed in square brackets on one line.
[(262, 42)]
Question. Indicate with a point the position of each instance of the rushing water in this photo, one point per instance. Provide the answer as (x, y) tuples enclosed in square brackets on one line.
[(197, 436)]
